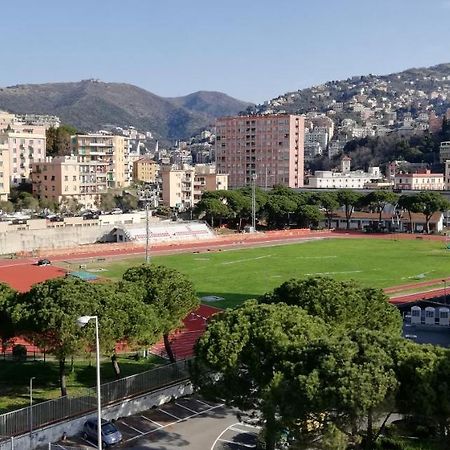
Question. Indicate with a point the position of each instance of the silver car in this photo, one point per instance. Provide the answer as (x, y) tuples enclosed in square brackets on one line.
[(110, 434)]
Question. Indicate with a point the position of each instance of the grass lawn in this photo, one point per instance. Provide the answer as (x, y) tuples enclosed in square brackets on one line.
[(15, 376), (237, 275)]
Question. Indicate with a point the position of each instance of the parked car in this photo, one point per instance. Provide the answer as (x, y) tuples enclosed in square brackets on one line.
[(43, 262), (110, 434), (116, 211)]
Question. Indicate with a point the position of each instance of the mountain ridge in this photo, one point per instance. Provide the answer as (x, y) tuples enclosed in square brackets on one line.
[(91, 104)]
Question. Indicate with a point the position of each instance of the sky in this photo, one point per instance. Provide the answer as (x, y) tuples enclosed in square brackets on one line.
[(253, 50)]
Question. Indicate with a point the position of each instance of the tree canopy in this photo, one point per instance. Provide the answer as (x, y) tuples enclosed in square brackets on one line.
[(170, 292)]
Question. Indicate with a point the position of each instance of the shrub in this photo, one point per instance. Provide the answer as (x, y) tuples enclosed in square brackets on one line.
[(19, 352)]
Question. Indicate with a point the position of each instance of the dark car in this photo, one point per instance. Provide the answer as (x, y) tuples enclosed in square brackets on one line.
[(110, 434), (43, 262)]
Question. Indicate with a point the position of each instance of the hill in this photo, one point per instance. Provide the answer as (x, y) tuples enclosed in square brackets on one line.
[(412, 90), (91, 104)]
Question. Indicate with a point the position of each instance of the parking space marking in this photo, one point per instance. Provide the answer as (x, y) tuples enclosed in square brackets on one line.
[(203, 403), (178, 421), (152, 421), (185, 407), (170, 414), (241, 444), (232, 427), (132, 428), (89, 442)]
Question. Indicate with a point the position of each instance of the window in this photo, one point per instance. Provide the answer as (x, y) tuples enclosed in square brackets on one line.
[(66, 178)]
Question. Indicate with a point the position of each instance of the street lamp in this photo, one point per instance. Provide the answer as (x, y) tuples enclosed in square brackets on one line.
[(81, 322), (254, 176), (31, 407), (445, 289)]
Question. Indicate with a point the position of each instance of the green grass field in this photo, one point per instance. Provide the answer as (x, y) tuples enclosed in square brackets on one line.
[(237, 275)]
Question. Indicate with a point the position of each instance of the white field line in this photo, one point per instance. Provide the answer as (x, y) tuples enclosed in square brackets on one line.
[(244, 260), (178, 421), (333, 273)]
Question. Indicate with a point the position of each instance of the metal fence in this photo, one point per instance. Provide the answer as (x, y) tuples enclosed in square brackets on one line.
[(27, 419)]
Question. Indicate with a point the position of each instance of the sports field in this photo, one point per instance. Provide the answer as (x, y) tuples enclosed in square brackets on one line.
[(237, 275)]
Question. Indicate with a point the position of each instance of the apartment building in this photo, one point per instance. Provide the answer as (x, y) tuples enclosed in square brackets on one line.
[(422, 180), (4, 168), (104, 155), (56, 178), (444, 151), (182, 186), (270, 147), (26, 144), (145, 170)]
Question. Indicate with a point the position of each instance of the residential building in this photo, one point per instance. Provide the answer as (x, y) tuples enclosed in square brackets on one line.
[(447, 175), (145, 170), (56, 179), (422, 180), (268, 147), (4, 167), (26, 144), (182, 186), (105, 154), (444, 151)]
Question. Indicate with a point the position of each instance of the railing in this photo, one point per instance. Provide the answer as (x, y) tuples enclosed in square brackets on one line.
[(31, 418)]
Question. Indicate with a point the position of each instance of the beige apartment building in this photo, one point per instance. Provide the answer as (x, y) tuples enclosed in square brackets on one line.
[(270, 147), (145, 170), (183, 187), (420, 181), (56, 178), (104, 159)]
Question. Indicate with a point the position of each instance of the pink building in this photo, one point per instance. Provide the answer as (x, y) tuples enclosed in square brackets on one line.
[(269, 146)]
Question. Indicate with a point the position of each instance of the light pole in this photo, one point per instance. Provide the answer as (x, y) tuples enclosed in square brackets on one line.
[(254, 202), (147, 195), (31, 408), (445, 290), (81, 322)]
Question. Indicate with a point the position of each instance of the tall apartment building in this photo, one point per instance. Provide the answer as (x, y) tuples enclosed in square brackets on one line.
[(270, 147), (56, 178), (105, 160), (4, 168), (26, 144), (182, 187)]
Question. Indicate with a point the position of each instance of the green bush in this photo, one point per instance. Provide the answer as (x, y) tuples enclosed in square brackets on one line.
[(19, 352)]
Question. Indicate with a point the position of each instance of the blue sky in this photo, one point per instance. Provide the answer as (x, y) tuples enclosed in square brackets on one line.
[(253, 49)]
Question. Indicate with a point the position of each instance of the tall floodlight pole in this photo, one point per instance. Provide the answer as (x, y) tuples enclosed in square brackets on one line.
[(82, 321), (147, 237), (254, 202), (146, 196)]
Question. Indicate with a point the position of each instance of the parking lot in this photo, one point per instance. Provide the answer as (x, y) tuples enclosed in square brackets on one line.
[(189, 423)]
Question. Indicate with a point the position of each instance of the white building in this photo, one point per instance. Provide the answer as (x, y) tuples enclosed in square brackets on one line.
[(345, 179)]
